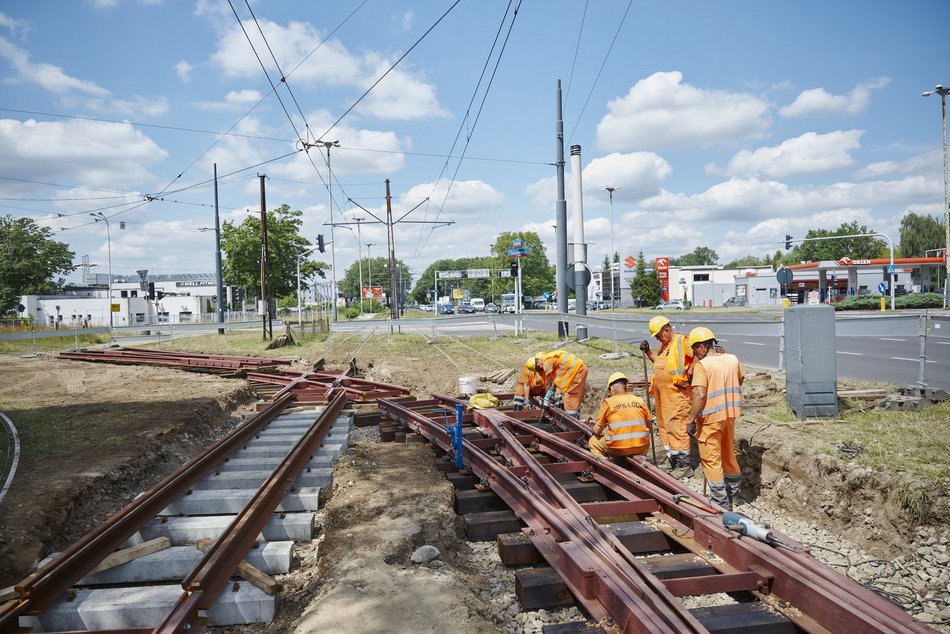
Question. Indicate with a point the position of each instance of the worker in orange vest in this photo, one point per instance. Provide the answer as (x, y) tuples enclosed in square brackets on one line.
[(623, 424), (671, 391), (529, 385), (562, 373), (717, 403)]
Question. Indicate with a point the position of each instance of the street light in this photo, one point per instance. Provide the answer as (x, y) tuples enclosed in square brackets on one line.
[(369, 264), (97, 215), (943, 92), (299, 310), (328, 145), (610, 192), (359, 252)]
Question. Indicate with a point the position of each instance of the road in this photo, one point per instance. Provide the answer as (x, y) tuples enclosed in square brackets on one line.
[(889, 358)]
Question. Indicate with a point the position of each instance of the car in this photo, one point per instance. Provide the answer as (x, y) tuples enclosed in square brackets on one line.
[(733, 301), (491, 308), (446, 309), (676, 304), (602, 305), (467, 309)]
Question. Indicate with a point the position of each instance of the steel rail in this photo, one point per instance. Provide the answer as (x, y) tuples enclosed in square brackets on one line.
[(604, 586), (40, 589), (833, 602), (203, 584)]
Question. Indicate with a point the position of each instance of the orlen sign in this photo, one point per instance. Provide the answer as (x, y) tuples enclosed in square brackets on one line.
[(663, 270)]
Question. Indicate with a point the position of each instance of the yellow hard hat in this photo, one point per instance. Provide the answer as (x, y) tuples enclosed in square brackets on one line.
[(616, 376), (530, 364), (483, 400), (699, 334), (657, 323)]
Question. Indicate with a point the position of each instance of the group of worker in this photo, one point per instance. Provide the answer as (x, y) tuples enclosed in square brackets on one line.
[(696, 389)]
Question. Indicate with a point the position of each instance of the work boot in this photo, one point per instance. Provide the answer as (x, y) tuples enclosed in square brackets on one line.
[(669, 464), (718, 494), (732, 482), (683, 468)]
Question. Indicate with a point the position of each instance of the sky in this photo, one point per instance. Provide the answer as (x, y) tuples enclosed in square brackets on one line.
[(721, 124)]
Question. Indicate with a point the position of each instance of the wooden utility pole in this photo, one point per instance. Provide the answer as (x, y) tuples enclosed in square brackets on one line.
[(394, 300), (266, 317)]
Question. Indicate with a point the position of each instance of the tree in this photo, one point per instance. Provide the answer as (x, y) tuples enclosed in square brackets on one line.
[(646, 286), (242, 250), (854, 248), (537, 274), (699, 257), (920, 234), (749, 260), (476, 287), (30, 260), (349, 284)]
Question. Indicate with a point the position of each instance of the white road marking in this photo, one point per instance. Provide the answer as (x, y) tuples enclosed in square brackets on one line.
[(890, 339), (911, 360), (753, 343), (944, 343), (856, 354)]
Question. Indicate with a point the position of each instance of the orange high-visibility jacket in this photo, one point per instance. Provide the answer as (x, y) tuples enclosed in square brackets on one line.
[(559, 368), (623, 417), (678, 360), (533, 380), (723, 392)]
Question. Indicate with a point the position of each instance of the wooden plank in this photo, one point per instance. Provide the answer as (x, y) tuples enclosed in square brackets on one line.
[(253, 575), (131, 553)]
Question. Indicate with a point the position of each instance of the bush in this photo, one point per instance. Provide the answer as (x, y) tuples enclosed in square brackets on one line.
[(352, 312), (873, 302)]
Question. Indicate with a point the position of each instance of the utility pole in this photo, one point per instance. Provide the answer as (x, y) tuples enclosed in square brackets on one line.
[(359, 251), (217, 255), (266, 317), (560, 219)]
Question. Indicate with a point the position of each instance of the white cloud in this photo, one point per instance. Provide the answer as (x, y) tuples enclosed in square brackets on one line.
[(930, 163), (404, 22), (183, 70), (86, 153), (818, 101), (467, 199), (810, 153), (243, 96), (661, 111), (401, 95), (138, 106), (46, 76), (12, 24)]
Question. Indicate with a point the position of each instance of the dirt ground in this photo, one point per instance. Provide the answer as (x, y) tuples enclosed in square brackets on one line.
[(115, 430)]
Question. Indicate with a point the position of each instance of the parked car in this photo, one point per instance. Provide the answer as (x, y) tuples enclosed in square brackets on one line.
[(676, 304), (446, 309), (467, 309), (733, 301), (602, 305), (491, 308)]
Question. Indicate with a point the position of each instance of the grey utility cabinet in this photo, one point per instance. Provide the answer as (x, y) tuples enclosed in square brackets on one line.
[(810, 370)]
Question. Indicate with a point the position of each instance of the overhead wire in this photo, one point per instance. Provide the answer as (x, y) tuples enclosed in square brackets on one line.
[(577, 48)]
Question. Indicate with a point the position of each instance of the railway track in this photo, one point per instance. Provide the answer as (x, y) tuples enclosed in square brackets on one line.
[(636, 549), (226, 520)]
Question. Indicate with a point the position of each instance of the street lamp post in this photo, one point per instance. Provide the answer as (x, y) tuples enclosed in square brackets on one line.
[(359, 253), (943, 92), (97, 215), (610, 193), (328, 145), (299, 309)]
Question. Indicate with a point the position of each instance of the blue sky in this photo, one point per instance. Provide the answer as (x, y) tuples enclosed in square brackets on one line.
[(723, 124)]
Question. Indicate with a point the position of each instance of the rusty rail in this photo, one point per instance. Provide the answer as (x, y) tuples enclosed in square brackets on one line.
[(194, 361)]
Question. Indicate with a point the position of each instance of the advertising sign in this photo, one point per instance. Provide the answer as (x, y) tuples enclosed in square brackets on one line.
[(372, 292), (663, 270)]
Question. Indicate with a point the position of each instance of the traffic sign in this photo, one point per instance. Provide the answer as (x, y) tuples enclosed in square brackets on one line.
[(214, 299), (547, 294), (890, 269), (881, 288), (569, 276), (784, 276)]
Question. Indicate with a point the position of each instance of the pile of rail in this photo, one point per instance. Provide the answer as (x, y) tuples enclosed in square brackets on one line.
[(592, 521), (320, 387), (217, 363), (262, 480)]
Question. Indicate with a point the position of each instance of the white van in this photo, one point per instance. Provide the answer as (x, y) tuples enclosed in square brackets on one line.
[(478, 304)]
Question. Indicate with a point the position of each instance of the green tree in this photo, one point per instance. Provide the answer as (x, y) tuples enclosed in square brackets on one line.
[(920, 234), (241, 245), (477, 287), (854, 248), (749, 260), (537, 274), (700, 256), (350, 283), (645, 286), (30, 260)]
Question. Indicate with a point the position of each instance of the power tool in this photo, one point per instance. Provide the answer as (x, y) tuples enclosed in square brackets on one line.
[(745, 526)]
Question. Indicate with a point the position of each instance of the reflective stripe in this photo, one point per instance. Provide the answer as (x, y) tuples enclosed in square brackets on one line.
[(723, 396), (637, 434), (626, 423), (676, 359), (566, 367), (623, 419), (728, 390)]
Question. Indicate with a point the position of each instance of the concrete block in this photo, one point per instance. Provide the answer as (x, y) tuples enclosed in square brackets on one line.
[(255, 464), (188, 530), (223, 502), (254, 479)]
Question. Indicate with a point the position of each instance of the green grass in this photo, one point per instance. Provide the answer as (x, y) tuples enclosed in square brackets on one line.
[(51, 344)]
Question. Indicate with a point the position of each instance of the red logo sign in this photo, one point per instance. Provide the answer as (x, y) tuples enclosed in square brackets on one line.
[(663, 271), (372, 292), (630, 262)]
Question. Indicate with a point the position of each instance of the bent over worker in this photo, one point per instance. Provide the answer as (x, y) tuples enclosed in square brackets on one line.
[(622, 427), (671, 391), (717, 402), (561, 372), (529, 385)]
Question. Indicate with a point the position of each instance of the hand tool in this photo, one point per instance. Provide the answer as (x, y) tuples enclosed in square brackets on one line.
[(646, 391), (745, 526), (681, 498)]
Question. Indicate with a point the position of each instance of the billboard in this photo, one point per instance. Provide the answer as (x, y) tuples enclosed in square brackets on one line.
[(663, 270)]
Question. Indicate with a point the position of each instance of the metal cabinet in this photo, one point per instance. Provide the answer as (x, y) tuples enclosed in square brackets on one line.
[(810, 369)]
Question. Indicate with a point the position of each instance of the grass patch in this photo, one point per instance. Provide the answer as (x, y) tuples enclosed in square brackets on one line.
[(51, 345)]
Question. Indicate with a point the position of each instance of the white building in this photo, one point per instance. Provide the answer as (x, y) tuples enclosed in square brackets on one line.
[(709, 285)]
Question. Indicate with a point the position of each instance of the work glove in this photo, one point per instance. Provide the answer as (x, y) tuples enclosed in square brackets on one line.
[(691, 428), (644, 346)]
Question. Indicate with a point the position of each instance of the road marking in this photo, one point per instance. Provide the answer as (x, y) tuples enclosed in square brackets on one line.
[(753, 343), (856, 354), (890, 339), (944, 343)]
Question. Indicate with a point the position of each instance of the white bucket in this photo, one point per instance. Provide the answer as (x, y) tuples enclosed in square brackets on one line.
[(468, 385)]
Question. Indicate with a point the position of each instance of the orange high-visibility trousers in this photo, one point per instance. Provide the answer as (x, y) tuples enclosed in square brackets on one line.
[(717, 449)]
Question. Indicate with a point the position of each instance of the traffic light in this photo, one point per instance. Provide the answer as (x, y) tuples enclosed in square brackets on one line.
[(151, 290), (788, 242), (321, 247), (514, 269), (160, 295)]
